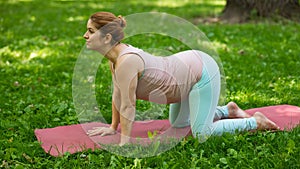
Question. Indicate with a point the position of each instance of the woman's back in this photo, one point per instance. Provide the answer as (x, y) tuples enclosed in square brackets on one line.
[(167, 79)]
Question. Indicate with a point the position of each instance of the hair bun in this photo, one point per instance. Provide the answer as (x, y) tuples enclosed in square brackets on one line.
[(122, 21)]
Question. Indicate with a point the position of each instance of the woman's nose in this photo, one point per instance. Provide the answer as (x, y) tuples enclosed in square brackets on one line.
[(85, 36)]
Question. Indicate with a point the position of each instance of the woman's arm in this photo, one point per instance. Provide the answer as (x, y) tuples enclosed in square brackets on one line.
[(126, 79), (127, 111), (115, 115), (115, 106)]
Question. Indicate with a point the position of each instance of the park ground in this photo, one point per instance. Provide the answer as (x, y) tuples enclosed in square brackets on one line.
[(39, 45)]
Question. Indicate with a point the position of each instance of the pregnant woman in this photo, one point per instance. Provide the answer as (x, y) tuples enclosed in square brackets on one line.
[(189, 81)]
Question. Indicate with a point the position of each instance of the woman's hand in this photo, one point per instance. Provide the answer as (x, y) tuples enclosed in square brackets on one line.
[(103, 131)]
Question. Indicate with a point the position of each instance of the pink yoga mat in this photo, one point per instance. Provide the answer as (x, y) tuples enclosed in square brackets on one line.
[(56, 141)]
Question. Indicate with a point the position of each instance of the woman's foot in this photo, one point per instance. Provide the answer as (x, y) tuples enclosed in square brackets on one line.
[(235, 112), (263, 123)]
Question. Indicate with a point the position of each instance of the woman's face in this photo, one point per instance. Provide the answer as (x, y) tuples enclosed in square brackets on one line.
[(93, 38)]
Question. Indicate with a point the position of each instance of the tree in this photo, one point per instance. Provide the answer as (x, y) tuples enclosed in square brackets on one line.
[(237, 11)]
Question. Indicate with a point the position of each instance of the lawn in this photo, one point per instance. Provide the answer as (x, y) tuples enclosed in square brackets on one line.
[(40, 42)]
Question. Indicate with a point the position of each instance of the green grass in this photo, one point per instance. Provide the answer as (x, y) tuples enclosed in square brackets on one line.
[(40, 42)]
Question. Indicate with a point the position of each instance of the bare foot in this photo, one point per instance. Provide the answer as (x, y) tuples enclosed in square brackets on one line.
[(263, 123), (235, 112)]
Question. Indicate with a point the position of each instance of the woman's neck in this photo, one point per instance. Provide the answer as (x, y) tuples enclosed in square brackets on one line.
[(114, 52)]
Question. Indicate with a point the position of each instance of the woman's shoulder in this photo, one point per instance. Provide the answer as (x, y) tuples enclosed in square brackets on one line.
[(129, 60), (131, 49)]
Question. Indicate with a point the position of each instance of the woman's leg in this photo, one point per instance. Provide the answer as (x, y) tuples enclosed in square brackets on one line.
[(203, 100), (179, 117), (221, 113), (234, 125), (202, 105), (183, 119), (230, 111), (179, 114)]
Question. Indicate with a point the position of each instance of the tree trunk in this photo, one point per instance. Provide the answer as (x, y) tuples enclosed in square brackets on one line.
[(237, 11)]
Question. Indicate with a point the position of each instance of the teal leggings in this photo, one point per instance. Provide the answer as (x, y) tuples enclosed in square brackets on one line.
[(200, 110)]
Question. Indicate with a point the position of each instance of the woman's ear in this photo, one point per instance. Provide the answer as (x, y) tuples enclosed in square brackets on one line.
[(108, 38)]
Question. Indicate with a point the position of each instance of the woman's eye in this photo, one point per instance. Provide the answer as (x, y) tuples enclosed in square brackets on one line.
[(90, 31)]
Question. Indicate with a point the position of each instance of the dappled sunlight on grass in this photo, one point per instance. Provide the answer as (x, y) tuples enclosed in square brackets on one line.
[(219, 45), (250, 99), (76, 18), (17, 1), (11, 53), (40, 53), (282, 90), (36, 47), (40, 42), (200, 8), (178, 3)]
